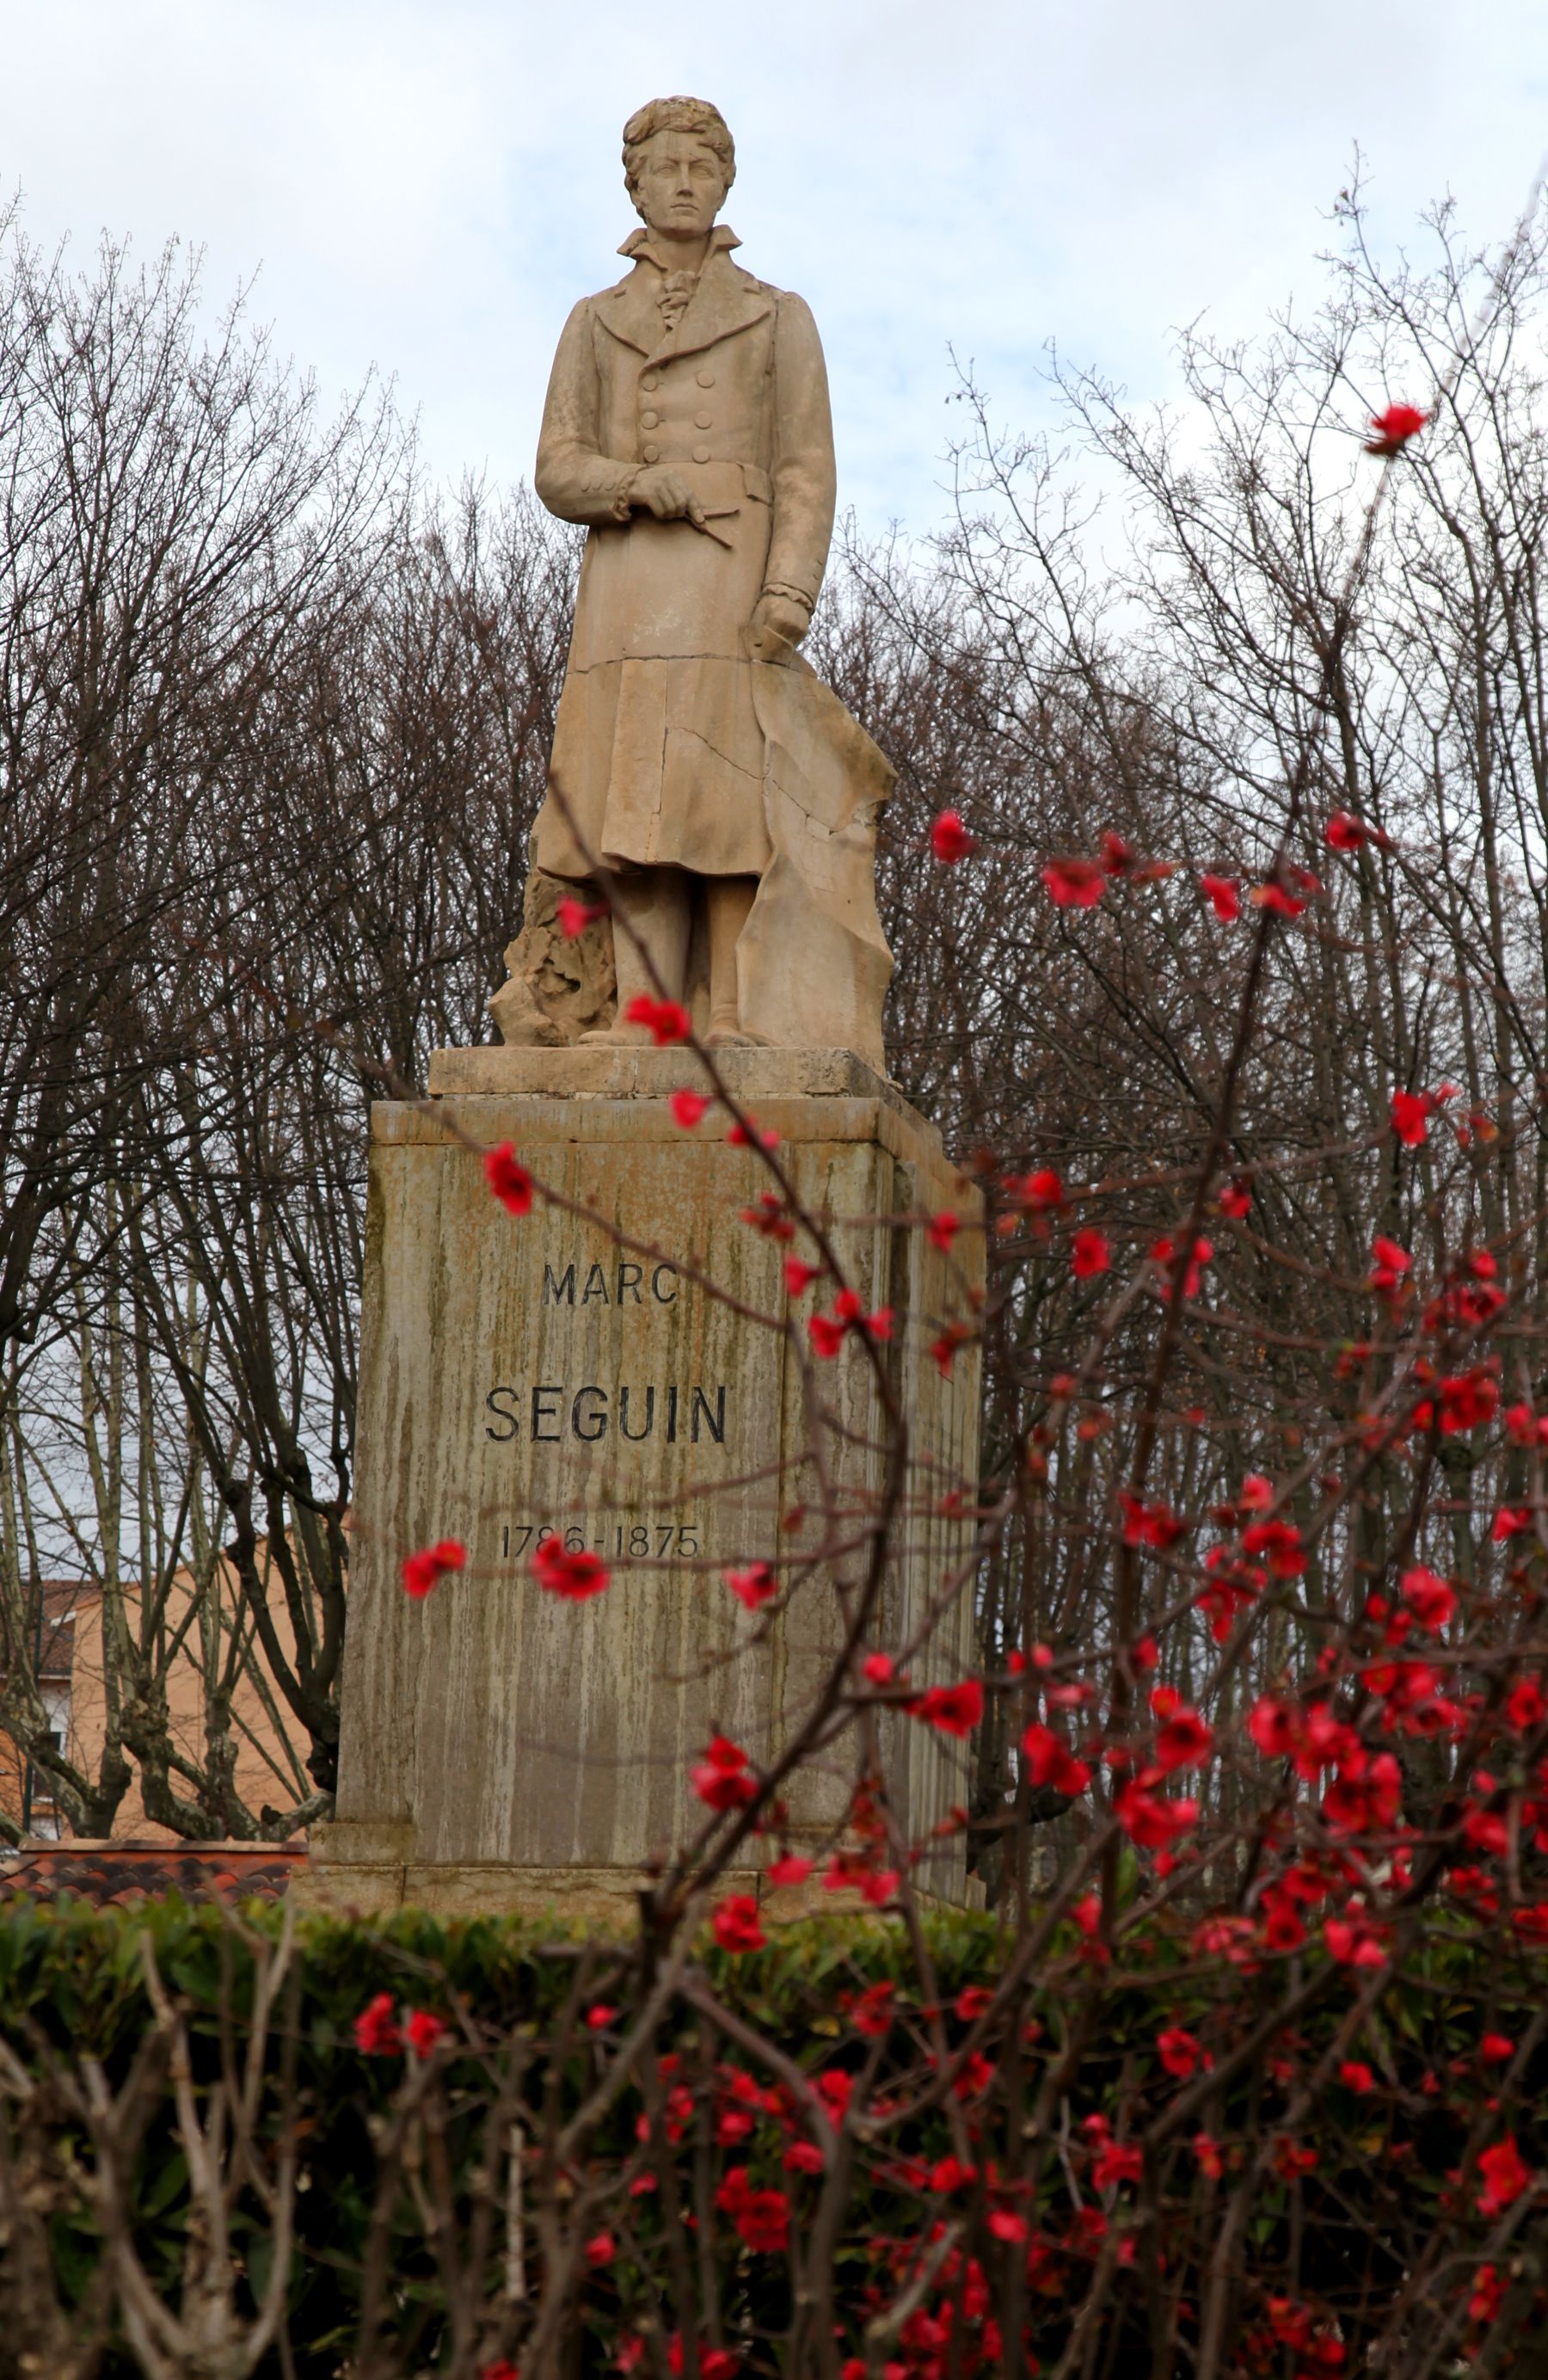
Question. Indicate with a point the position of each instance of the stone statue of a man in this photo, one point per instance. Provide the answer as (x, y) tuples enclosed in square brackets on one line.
[(695, 754)]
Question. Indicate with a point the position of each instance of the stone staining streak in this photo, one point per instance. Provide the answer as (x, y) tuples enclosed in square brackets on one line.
[(590, 1412)]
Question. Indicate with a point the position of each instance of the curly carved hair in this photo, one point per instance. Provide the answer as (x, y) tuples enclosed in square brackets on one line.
[(678, 115)]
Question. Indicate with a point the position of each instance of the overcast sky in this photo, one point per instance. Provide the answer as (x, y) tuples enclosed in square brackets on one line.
[(427, 185)]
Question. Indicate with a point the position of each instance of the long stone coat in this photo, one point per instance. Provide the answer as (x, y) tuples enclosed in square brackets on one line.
[(656, 747), (673, 747)]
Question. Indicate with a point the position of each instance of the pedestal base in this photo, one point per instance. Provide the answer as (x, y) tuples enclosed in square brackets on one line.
[(572, 1373)]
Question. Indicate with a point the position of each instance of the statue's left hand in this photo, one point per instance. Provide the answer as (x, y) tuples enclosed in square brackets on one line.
[(776, 626)]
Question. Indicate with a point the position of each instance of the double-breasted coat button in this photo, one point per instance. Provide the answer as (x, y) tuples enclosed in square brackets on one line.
[(703, 421), (648, 382), (705, 380), (650, 452), (649, 421), (701, 454)]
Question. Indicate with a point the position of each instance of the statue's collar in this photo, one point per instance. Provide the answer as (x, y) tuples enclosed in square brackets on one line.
[(640, 243)]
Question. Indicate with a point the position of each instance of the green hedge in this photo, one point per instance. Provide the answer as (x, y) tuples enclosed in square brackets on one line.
[(1364, 2181)]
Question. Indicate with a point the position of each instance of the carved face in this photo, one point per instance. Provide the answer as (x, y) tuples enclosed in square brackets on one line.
[(679, 185)]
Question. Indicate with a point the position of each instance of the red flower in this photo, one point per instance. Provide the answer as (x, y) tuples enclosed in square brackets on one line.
[(1184, 1743), (956, 1710), (761, 2216), (870, 2012), (598, 2016), (735, 1924), (1411, 1114), (1430, 1598), (1163, 1252), (799, 1276), (1496, 2047), (1488, 2294), (1207, 2150), (1467, 1400), (949, 840), (749, 1135), (1356, 2075), (665, 1020), (427, 1569), (1089, 1253), (424, 2031), (1509, 1521), (942, 1230), (575, 915), (944, 1349), (1049, 1761), (715, 2362), (1039, 1192), (1280, 1541), (1526, 1427), (687, 1108), (849, 1308), (1152, 1823), (573, 1575), (1150, 1525), (511, 1183), (949, 2173), (376, 2029), (1344, 832), (1116, 2163), (1074, 884), (1224, 895), (827, 1331), (1388, 1265), (600, 2249), (753, 1587), (1277, 898), (1235, 1201), (1506, 2175), (1274, 1728), (768, 1217), (789, 1868), (721, 1778), (1178, 2051), (1524, 1705), (1354, 1942), (1393, 429)]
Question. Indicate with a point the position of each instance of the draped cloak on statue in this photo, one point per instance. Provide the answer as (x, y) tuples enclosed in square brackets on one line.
[(674, 747)]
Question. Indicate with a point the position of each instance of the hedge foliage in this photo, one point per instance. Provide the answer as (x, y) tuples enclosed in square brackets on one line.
[(1355, 2175)]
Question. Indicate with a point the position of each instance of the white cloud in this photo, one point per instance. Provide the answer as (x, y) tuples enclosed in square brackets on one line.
[(427, 185)]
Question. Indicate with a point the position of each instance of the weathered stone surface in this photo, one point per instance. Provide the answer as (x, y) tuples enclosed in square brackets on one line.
[(501, 1748)]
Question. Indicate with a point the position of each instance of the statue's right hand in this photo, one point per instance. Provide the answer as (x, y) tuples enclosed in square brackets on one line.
[(666, 495)]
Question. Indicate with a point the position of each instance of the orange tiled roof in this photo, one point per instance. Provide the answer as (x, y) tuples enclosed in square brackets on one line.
[(110, 1874)]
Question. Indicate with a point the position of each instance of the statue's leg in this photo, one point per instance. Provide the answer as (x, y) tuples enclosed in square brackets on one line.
[(651, 909), (728, 900)]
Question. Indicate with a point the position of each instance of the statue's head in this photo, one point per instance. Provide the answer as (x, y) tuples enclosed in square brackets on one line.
[(679, 161)]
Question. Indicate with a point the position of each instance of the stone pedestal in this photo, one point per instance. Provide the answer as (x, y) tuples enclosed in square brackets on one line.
[(504, 1749)]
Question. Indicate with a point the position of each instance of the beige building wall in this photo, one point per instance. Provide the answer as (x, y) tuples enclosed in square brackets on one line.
[(271, 1748)]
